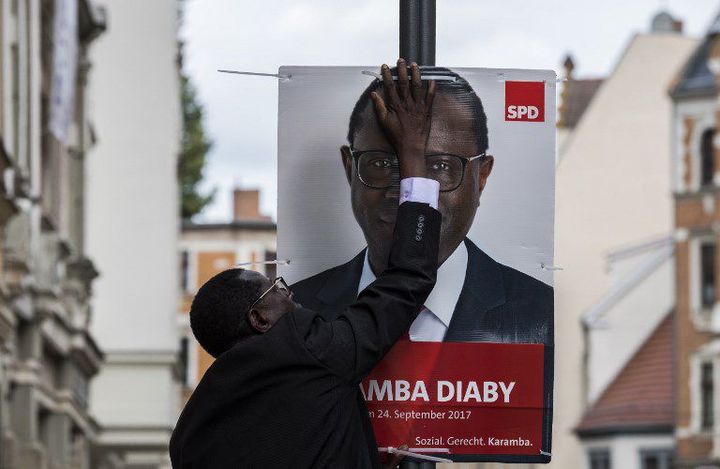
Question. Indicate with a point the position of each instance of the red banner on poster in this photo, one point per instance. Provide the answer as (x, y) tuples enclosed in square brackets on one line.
[(458, 398)]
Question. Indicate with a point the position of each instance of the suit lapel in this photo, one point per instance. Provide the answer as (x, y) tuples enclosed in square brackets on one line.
[(340, 289), (482, 290)]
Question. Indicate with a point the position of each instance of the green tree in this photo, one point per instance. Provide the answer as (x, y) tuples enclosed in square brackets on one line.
[(195, 146)]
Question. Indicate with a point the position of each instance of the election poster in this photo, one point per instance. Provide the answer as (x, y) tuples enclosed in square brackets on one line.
[(473, 379)]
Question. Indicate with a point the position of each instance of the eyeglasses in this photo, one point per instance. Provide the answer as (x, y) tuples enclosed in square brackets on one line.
[(380, 169), (278, 285)]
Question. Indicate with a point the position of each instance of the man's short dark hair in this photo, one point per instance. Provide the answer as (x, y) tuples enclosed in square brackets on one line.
[(459, 89), (218, 311)]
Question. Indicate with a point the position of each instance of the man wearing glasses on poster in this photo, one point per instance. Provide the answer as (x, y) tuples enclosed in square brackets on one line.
[(476, 299)]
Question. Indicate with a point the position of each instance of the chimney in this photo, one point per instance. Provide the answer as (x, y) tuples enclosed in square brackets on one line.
[(664, 22), (246, 205), (569, 66)]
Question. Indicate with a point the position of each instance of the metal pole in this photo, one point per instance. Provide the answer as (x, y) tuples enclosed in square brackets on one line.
[(417, 44), (417, 31)]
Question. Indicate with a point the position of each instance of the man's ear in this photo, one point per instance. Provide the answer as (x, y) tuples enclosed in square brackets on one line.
[(347, 162), (485, 170), (258, 321)]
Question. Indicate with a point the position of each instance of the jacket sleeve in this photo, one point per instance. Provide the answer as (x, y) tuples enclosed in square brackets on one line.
[(357, 340)]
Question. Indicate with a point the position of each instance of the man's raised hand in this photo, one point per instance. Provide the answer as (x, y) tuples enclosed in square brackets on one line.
[(404, 115)]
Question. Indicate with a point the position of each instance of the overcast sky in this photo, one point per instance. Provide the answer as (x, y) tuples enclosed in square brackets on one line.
[(241, 112)]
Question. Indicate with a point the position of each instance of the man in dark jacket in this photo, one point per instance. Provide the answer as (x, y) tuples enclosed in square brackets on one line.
[(284, 389)]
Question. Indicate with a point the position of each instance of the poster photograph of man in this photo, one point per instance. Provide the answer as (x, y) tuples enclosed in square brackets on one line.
[(495, 303), (491, 149)]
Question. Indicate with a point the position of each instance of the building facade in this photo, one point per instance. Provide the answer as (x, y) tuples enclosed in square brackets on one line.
[(47, 355), (696, 177), (207, 249), (132, 230), (613, 221)]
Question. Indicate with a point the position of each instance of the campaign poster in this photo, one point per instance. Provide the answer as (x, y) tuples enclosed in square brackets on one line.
[(473, 380)]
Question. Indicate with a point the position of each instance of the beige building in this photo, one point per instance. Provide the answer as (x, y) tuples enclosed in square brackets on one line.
[(47, 355), (614, 220), (207, 249)]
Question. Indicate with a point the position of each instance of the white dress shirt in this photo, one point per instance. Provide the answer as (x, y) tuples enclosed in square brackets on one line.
[(433, 321)]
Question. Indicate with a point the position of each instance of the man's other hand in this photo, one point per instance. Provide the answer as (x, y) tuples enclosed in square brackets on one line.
[(395, 459)]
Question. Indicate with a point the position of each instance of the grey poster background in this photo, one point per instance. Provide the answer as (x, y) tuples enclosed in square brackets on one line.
[(316, 227)]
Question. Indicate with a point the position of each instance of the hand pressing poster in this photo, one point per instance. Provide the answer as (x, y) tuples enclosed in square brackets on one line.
[(472, 381)]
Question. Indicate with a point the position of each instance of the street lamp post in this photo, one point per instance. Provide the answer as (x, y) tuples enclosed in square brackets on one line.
[(417, 31), (417, 44)]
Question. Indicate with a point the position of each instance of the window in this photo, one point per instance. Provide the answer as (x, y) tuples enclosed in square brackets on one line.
[(184, 271), (43, 425), (707, 275), (183, 358), (2, 75), (599, 459), (53, 162), (15, 120), (707, 158), (707, 400), (270, 269), (656, 459), (78, 385)]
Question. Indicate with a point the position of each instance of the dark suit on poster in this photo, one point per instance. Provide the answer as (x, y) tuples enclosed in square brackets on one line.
[(289, 397), (497, 303)]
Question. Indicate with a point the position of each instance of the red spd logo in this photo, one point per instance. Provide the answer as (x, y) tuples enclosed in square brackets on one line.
[(525, 101)]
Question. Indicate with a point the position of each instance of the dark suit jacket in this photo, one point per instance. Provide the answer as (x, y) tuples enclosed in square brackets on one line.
[(289, 397), (497, 303)]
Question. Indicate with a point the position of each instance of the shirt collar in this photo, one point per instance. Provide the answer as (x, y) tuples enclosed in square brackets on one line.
[(449, 284)]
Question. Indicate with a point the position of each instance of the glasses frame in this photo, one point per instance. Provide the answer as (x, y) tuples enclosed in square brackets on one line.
[(276, 282), (356, 154)]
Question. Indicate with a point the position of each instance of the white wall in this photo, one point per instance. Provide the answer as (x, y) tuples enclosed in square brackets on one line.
[(613, 188), (132, 221), (616, 335), (143, 385), (131, 176)]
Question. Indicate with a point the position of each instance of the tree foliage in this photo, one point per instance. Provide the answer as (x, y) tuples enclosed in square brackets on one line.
[(195, 146)]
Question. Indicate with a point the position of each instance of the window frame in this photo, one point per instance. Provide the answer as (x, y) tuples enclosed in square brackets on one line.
[(703, 244), (702, 316), (185, 271), (707, 354), (707, 144), (666, 457), (707, 420), (599, 453)]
